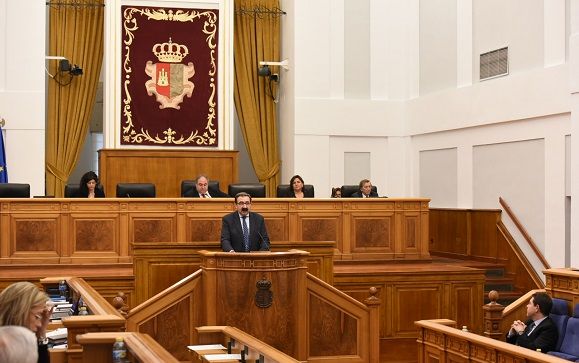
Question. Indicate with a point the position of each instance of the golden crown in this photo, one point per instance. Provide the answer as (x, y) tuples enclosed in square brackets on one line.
[(170, 52)]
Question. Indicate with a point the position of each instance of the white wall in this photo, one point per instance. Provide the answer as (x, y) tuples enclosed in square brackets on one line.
[(438, 45), (22, 90), (517, 24), (439, 176)]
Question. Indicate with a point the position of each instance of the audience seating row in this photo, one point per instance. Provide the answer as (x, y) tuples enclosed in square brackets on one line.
[(147, 190), (568, 344)]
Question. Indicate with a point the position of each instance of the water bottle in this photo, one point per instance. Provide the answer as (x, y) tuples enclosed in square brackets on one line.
[(63, 289), (119, 351)]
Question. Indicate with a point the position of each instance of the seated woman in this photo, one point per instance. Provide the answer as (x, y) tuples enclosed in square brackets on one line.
[(337, 192), (24, 304), (89, 186), (296, 188)]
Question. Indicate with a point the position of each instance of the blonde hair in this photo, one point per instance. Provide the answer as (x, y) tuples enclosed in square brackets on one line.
[(16, 302)]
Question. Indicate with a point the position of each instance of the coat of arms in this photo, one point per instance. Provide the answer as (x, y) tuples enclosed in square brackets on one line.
[(169, 78)]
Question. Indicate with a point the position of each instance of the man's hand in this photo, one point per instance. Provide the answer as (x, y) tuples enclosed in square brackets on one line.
[(518, 327)]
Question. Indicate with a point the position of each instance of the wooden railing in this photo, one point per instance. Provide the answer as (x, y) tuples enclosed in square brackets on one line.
[(322, 322), (254, 349), (524, 232), (97, 348), (355, 336), (442, 343), (103, 316)]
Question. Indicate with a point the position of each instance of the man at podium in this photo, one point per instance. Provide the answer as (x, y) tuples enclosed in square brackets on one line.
[(242, 231)]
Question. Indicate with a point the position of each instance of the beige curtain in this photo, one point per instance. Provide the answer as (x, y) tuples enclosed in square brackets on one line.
[(257, 38), (76, 32)]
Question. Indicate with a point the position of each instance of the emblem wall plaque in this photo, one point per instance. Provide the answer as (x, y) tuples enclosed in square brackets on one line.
[(169, 77)]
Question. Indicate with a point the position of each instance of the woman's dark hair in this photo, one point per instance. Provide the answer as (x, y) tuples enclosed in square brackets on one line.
[(291, 187), (335, 191), (88, 176)]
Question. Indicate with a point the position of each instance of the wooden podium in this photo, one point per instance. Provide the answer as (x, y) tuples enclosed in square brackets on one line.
[(261, 293)]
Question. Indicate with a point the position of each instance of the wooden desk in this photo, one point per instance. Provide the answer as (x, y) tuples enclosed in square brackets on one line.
[(83, 231)]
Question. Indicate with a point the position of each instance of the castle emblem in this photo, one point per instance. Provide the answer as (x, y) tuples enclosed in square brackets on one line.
[(169, 78)]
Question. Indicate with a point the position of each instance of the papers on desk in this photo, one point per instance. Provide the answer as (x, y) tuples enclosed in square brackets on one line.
[(222, 357), (57, 338)]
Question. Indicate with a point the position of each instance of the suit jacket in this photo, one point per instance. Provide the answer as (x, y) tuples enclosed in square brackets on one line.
[(544, 336), (193, 193), (232, 234), (98, 193), (358, 194), (43, 356), (290, 194)]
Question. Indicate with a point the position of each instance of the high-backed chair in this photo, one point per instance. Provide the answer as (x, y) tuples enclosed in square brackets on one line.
[(73, 190), (569, 349), (14, 190), (559, 315), (256, 190), (136, 190), (187, 185), (282, 191), (348, 190)]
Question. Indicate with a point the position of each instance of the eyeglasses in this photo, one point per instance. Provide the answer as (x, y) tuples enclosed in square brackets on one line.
[(243, 203)]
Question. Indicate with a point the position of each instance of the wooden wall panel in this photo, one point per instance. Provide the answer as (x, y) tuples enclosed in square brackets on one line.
[(153, 229), (318, 229), (95, 235), (204, 230), (410, 292), (165, 168), (373, 232), (405, 313), (35, 233), (333, 332)]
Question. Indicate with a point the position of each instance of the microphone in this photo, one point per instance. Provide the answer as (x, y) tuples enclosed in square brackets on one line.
[(262, 240)]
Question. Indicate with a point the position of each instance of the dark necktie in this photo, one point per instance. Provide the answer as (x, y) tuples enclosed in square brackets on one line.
[(245, 233), (530, 328)]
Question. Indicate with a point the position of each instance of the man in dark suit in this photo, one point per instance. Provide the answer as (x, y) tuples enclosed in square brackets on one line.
[(242, 231), (365, 190), (539, 332), (201, 190)]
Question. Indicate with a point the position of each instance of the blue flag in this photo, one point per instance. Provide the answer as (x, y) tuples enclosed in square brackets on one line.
[(3, 171)]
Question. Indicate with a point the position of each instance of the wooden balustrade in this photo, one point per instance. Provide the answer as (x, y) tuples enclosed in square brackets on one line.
[(103, 317), (237, 340), (98, 347), (268, 295), (442, 343)]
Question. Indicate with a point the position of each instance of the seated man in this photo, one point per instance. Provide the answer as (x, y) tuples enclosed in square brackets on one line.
[(202, 190), (365, 190), (242, 231), (539, 332)]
